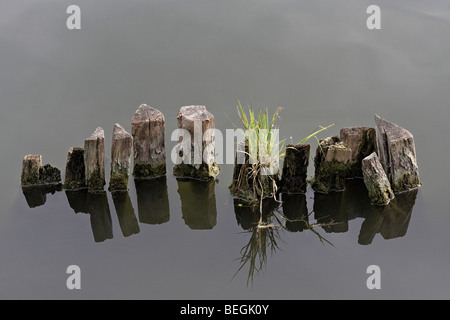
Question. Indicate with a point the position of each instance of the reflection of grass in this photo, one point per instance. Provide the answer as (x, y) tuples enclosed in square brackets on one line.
[(264, 239), (254, 253)]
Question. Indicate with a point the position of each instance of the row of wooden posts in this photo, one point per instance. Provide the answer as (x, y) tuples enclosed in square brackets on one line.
[(384, 156)]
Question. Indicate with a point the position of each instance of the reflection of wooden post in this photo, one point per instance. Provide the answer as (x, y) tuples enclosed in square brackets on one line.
[(147, 128), (295, 168), (398, 214), (371, 225), (198, 203), (75, 170), (122, 145), (94, 160), (329, 208), (153, 200), (78, 200), (199, 163), (248, 215), (125, 213), (296, 210), (391, 221), (101, 222), (36, 196)]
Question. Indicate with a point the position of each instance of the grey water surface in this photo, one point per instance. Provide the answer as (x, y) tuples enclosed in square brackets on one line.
[(169, 239)]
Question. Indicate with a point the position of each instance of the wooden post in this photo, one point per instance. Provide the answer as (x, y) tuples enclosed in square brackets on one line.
[(122, 144), (94, 160), (34, 173), (30, 169), (377, 183), (147, 128), (362, 142), (75, 170), (196, 147), (331, 165), (295, 168), (397, 154)]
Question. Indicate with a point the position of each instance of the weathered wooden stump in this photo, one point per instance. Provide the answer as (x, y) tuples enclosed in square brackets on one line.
[(75, 170), (125, 213), (295, 168), (33, 173), (196, 144), (331, 163), (376, 181), (248, 184), (30, 169), (122, 145), (147, 128), (397, 154), (198, 203), (362, 142), (94, 160), (49, 175)]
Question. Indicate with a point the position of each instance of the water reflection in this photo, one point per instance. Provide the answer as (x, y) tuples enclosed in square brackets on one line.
[(390, 221), (153, 200), (78, 200), (198, 203), (262, 240), (100, 215), (36, 196), (329, 209), (295, 210), (247, 216), (125, 213), (96, 205), (332, 213)]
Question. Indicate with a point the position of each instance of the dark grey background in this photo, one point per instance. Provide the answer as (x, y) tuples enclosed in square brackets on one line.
[(316, 59)]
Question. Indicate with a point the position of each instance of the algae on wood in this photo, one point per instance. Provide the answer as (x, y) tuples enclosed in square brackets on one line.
[(332, 163)]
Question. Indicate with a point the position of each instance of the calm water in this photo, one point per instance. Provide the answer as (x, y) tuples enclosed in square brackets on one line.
[(172, 239)]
